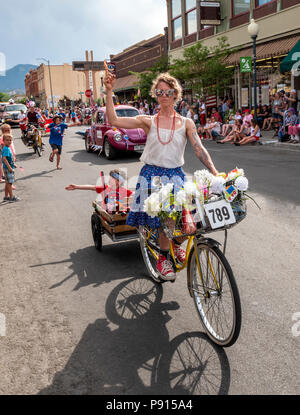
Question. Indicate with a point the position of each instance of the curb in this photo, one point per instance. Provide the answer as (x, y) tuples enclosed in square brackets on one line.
[(287, 146)]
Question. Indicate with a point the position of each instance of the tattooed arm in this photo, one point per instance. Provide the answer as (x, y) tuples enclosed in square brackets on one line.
[(200, 151)]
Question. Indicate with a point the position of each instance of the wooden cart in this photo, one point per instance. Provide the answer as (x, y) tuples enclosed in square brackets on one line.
[(110, 224)]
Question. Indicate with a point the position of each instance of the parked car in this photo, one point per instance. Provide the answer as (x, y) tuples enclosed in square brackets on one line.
[(105, 138), (11, 113)]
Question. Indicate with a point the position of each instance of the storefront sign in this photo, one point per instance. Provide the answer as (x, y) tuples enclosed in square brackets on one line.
[(245, 97), (246, 64), (91, 80), (210, 12)]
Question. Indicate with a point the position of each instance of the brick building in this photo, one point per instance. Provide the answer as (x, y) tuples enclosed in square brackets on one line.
[(137, 58), (31, 84)]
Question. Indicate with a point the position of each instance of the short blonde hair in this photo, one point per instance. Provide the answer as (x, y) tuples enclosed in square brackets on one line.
[(171, 81), (7, 136), (5, 127)]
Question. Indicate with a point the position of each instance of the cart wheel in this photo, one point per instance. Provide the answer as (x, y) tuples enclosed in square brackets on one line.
[(96, 231)]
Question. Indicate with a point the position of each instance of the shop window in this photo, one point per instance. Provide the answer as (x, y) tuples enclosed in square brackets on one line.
[(240, 6), (176, 19)]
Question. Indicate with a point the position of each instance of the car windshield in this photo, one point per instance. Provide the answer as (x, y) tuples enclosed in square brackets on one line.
[(127, 112), (15, 108)]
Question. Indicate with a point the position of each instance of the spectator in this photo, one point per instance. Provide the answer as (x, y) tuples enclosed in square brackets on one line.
[(202, 130), (291, 122), (214, 130), (253, 137), (264, 117), (236, 126), (214, 113), (293, 100), (8, 169), (202, 110), (242, 131), (228, 126), (247, 118)]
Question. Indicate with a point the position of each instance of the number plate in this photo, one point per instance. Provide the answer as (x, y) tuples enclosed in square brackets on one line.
[(219, 214), (136, 148)]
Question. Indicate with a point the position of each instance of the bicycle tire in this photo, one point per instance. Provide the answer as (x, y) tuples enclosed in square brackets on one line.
[(149, 260), (39, 145), (210, 295)]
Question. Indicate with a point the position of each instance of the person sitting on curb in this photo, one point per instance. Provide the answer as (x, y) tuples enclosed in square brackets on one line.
[(254, 135)]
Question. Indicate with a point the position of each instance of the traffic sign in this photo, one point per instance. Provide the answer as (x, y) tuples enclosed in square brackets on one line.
[(88, 93)]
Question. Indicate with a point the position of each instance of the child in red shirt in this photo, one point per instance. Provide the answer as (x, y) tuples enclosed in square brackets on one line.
[(115, 197)]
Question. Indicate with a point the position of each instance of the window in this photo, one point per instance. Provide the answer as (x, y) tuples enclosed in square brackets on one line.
[(240, 6), (176, 20), (262, 2), (190, 16), (176, 8)]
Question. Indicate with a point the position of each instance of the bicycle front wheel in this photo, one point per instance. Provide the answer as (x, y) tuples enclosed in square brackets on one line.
[(38, 143), (215, 293)]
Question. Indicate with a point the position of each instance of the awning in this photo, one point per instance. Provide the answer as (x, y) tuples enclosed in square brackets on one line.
[(291, 59), (125, 83), (277, 47)]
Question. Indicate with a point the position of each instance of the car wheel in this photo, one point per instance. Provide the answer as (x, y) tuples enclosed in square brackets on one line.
[(109, 151), (87, 144)]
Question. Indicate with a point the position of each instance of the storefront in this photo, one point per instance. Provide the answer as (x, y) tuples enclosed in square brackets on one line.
[(270, 78)]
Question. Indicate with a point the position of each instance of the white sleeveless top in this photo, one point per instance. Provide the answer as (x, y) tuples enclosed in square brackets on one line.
[(252, 132), (170, 155)]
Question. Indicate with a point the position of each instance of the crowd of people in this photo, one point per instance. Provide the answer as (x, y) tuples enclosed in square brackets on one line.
[(223, 124)]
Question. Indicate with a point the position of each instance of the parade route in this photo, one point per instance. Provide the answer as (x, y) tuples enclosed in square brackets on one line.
[(83, 322)]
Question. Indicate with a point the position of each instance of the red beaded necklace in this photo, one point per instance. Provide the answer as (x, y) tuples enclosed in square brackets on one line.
[(172, 130)]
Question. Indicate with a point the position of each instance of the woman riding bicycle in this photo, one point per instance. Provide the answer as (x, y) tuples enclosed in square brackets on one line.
[(167, 134)]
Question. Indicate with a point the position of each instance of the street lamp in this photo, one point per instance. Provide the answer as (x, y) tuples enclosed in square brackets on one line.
[(48, 62), (253, 30)]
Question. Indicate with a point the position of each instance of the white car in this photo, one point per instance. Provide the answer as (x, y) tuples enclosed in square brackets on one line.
[(11, 113)]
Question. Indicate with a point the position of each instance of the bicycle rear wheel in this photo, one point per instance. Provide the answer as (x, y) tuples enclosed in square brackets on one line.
[(148, 243), (38, 144), (215, 295)]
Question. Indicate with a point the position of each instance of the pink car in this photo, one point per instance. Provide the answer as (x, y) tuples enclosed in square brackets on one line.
[(102, 137)]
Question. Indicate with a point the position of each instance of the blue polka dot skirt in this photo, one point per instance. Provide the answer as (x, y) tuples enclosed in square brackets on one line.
[(147, 183)]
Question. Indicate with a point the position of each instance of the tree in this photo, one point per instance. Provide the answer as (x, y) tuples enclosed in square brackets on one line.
[(146, 78), (202, 68), (4, 97)]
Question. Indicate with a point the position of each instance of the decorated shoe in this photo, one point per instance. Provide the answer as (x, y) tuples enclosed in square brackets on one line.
[(179, 253), (165, 269)]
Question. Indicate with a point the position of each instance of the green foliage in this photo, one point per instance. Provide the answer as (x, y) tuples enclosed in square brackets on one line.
[(203, 69), (145, 79), (21, 101), (4, 97)]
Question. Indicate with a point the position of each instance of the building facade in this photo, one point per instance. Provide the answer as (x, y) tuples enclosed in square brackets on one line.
[(137, 58), (279, 32), (64, 81)]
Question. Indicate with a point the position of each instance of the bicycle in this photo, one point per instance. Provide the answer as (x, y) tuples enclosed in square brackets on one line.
[(33, 138), (210, 279)]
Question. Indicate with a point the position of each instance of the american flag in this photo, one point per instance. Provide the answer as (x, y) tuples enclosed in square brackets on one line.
[(211, 101)]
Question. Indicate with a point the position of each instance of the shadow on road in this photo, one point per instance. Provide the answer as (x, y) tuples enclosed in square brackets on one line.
[(40, 174), (91, 267), (138, 356), (82, 156)]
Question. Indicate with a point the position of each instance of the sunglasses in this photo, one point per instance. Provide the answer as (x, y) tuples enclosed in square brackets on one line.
[(167, 92)]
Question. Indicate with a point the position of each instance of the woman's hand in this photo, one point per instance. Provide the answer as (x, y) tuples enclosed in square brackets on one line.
[(109, 80)]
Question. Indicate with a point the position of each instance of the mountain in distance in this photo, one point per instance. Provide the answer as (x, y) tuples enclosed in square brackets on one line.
[(14, 78)]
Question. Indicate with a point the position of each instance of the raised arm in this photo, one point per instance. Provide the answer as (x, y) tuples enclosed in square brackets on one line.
[(200, 151), (140, 121)]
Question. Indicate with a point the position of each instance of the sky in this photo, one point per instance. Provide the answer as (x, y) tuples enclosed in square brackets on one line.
[(61, 30)]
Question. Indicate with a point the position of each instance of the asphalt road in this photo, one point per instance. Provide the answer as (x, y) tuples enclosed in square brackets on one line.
[(83, 322)]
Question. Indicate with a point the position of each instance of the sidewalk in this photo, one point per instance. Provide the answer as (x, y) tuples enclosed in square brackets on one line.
[(268, 139)]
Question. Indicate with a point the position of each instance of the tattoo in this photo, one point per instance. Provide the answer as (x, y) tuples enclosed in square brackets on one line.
[(200, 151)]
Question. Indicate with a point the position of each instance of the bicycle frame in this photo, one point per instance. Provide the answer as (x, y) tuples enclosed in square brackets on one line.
[(192, 240)]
